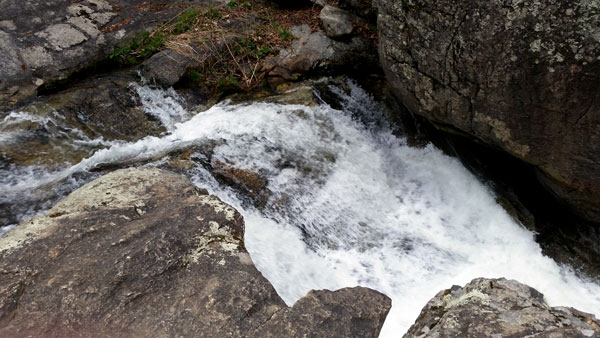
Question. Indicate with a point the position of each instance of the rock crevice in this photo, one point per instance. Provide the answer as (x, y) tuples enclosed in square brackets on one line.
[(521, 77)]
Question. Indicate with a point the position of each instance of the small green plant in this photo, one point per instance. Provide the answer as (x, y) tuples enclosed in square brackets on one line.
[(185, 21), (264, 51), (249, 44), (193, 76), (213, 13), (408, 6), (246, 4), (139, 48), (284, 34), (232, 4), (228, 85)]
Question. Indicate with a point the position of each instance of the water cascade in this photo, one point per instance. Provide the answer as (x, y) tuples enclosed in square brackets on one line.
[(345, 200)]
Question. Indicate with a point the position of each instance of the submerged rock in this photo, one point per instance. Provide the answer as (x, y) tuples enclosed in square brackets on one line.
[(499, 308), (522, 77), (143, 252)]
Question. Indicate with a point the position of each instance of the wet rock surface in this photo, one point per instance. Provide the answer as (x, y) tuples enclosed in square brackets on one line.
[(143, 252), (522, 77), (80, 119), (41, 42), (499, 308)]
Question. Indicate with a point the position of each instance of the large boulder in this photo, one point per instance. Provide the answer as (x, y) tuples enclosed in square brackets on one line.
[(522, 76), (499, 308), (144, 253)]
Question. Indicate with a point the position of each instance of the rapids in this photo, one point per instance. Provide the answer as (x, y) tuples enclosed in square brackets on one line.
[(349, 202)]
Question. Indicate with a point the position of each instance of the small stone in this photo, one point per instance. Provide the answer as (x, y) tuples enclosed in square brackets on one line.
[(85, 25), (102, 18), (337, 22), (36, 57), (39, 82), (78, 9)]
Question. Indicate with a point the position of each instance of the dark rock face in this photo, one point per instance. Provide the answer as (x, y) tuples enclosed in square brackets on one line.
[(499, 308), (144, 253), (41, 42), (522, 77), (318, 315)]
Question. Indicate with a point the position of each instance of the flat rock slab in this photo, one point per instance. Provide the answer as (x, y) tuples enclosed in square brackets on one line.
[(144, 253), (499, 308)]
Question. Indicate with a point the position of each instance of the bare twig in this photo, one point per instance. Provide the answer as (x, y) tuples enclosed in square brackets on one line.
[(240, 68)]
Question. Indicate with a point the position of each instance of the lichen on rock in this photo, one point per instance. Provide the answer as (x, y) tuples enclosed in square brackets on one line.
[(499, 308), (142, 252)]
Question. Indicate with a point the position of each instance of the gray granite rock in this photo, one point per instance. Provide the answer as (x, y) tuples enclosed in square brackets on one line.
[(45, 41), (144, 253), (315, 51), (499, 308)]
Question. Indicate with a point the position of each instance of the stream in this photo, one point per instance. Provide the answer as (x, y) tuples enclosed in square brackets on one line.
[(338, 198)]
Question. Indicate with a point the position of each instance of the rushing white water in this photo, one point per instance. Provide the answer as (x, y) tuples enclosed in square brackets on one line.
[(164, 105), (25, 190), (352, 204)]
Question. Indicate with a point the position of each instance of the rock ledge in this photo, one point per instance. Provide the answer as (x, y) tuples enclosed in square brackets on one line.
[(144, 253)]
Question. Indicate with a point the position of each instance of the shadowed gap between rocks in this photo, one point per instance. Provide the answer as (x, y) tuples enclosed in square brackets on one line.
[(563, 235)]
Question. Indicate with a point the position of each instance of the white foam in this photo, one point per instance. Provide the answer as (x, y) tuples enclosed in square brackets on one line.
[(4, 230), (16, 117), (166, 105)]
